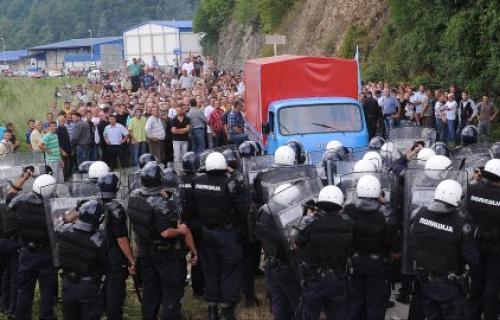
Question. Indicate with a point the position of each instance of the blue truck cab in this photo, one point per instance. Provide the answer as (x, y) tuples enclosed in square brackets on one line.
[(314, 122)]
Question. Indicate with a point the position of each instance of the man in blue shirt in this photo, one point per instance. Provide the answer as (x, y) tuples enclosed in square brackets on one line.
[(116, 136), (236, 124), (390, 108)]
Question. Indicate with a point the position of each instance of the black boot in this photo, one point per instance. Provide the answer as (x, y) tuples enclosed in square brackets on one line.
[(213, 312), (227, 312)]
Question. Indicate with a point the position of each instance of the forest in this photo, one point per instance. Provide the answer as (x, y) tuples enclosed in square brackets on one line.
[(26, 23)]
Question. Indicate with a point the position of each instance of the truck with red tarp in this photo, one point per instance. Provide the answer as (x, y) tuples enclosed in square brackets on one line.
[(312, 100)]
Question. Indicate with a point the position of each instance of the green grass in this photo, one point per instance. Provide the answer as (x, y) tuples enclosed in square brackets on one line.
[(193, 308), (22, 99)]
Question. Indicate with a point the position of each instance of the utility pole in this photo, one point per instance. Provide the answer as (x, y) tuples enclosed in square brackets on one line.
[(91, 47), (4, 54)]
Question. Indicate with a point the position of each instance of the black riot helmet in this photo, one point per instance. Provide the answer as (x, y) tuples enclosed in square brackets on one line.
[(145, 158), (109, 184), (469, 135), (232, 159), (495, 149), (91, 212), (331, 155), (169, 180), (376, 143), (151, 175), (190, 162), (84, 166), (440, 148), (249, 149), (300, 154)]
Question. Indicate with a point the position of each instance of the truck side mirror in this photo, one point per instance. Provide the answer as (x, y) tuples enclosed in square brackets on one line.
[(265, 128)]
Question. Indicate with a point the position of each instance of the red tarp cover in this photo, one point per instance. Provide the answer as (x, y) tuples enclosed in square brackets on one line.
[(284, 77)]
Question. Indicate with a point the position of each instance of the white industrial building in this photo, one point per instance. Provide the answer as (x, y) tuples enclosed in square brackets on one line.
[(165, 40)]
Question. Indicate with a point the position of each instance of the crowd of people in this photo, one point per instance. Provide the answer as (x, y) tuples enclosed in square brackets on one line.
[(447, 111), (136, 111)]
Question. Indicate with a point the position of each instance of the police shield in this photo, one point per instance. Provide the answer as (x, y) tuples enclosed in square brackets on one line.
[(56, 203), (250, 167), (22, 159), (349, 182), (134, 181), (86, 188), (428, 135), (289, 205), (276, 176), (419, 189), (473, 156)]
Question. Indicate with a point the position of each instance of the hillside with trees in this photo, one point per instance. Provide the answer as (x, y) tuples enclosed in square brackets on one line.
[(25, 23), (437, 42)]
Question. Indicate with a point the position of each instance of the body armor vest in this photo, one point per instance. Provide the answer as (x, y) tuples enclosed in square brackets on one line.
[(140, 214), (116, 221), (213, 199), (329, 244), (30, 217), (186, 191), (438, 241), (368, 231), (484, 204), (79, 251)]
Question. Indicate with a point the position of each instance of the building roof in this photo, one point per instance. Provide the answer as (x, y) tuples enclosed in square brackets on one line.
[(182, 25), (75, 43), (13, 55)]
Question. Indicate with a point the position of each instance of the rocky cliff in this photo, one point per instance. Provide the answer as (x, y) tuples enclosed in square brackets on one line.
[(312, 27)]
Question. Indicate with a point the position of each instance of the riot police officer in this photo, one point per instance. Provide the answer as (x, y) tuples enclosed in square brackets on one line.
[(162, 242), (145, 158), (85, 166), (10, 246), (189, 213), (35, 256), (251, 250), (376, 143), (374, 239), (443, 242), (288, 165), (375, 158), (221, 204), (339, 147), (483, 200), (82, 254), (281, 280), (98, 169), (364, 166), (88, 187), (121, 259), (323, 244), (469, 135), (441, 148)]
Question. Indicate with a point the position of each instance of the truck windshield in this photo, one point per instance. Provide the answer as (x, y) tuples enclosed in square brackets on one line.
[(320, 118)]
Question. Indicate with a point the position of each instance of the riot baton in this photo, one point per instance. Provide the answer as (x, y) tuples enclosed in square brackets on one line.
[(137, 286)]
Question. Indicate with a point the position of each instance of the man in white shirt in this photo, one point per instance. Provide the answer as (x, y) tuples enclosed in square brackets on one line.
[(155, 133), (418, 99), (450, 108), (115, 136), (208, 111), (188, 66)]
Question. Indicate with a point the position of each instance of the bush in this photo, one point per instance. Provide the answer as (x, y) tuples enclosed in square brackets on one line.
[(443, 42)]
